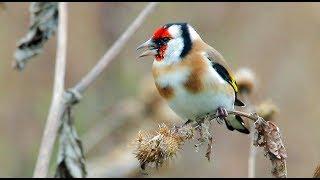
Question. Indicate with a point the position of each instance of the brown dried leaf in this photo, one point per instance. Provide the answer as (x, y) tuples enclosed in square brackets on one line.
[(71, 161), (268, 136)]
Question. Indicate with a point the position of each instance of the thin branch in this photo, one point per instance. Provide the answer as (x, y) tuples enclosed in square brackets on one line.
[(114, 50), (253, 148), (211, 116), (62, 98), (252, 156), (57, 105), (246, 82)]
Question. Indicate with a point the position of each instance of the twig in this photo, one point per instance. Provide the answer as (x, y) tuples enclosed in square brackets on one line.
[(57, 105), (114, 50), (253, 148), (211, 116), (252, 157), (61, 98)]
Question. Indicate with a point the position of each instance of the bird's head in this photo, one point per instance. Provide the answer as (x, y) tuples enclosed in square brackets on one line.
[(170, 43)]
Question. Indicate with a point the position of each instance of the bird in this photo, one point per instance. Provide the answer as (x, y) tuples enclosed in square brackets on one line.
[(192, 76)]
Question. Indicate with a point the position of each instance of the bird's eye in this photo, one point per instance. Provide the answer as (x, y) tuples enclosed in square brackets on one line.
[(162, 41), (166, 39)]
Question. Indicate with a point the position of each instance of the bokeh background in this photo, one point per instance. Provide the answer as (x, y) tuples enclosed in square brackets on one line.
[(278, 41)]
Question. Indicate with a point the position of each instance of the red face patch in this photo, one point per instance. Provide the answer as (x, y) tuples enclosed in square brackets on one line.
[(161, 33), (160, 54), (158, 35)]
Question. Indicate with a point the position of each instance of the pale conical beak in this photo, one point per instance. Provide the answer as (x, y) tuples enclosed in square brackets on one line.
[(149, 49)]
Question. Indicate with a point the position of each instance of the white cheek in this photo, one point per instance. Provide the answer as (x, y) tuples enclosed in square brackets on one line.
[(175, 30), (173, 51), (171, 54)]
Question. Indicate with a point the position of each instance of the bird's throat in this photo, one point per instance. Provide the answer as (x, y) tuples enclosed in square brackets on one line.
[(161, 52)]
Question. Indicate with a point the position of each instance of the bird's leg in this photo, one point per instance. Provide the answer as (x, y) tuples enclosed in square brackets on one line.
[(222, 114)]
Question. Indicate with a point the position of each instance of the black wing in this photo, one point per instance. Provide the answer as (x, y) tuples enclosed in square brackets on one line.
[(227, 77)]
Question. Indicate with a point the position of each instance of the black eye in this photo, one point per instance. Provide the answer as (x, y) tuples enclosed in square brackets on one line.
[(162, 41), (166, 39)]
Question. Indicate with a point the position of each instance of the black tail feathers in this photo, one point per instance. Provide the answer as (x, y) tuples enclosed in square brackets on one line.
[(237, 124), (237, 102)]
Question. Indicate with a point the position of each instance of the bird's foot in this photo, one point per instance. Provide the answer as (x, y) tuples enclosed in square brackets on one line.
[(222, 114)]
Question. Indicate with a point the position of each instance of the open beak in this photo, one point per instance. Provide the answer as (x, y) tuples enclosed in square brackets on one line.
[(149, 49)]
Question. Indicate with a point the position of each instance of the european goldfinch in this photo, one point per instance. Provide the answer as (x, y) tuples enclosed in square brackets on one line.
[(192, 76)]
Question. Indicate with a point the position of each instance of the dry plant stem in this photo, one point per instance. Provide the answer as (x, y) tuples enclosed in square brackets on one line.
[(60, 99), (252, 150), (252, 156), (57, 105), (114, 50), (211, 116), (252, 117)]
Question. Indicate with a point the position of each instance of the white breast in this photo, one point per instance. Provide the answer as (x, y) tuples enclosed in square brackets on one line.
[(173, 79), (189, 105)]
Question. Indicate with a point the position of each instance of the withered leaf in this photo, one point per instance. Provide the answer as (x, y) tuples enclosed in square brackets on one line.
[(43, 25), (70, 155)]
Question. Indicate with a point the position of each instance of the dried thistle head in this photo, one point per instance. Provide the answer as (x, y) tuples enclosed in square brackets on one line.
[(317, 172), (157, 147), (267, 135), (245, 80), (267, 110)]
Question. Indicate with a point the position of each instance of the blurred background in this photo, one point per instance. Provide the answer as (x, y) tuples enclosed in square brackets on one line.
[(278, 41)]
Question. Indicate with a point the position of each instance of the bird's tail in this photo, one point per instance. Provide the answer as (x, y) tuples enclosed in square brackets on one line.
[(235, 122)]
